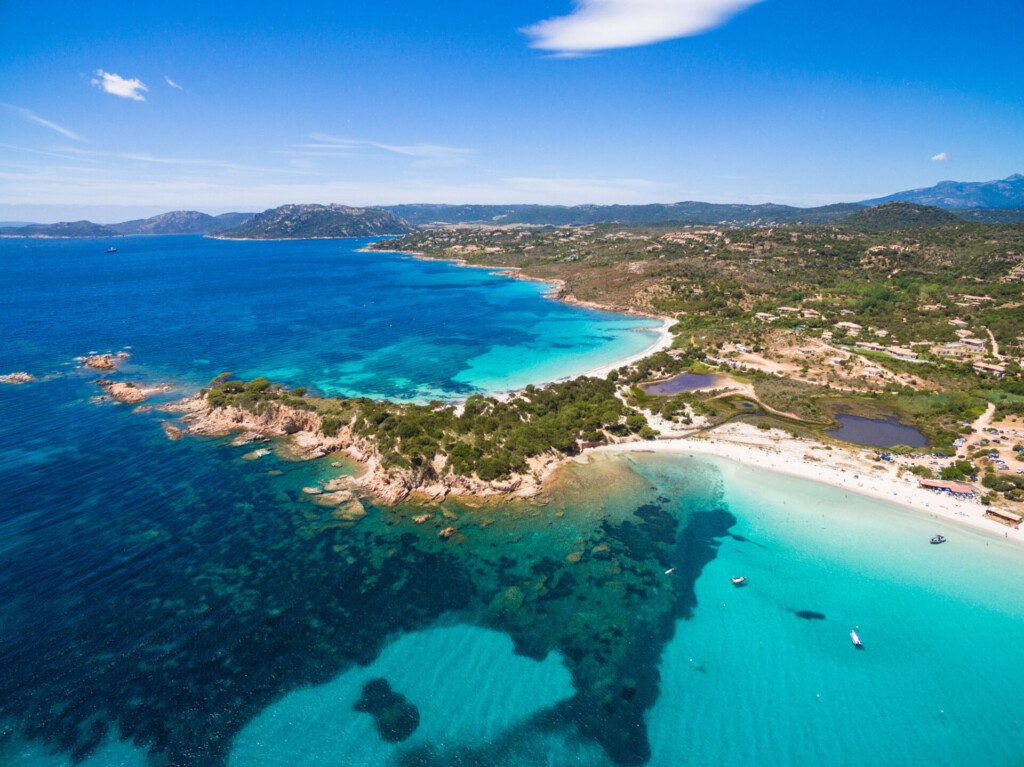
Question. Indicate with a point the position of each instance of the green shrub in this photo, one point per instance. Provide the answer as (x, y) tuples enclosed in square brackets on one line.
[(330, 425)]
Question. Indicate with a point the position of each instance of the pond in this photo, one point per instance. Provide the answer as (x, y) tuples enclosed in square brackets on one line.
[(877, 432), (685, 382)]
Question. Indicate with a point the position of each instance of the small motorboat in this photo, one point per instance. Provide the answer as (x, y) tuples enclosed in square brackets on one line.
[(739, 581), (856, 639), (111, 249), (670, 571), (938, 539)]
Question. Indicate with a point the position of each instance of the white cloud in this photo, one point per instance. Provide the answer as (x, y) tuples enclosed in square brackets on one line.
[(325, 142), (120, 86), (940, 157), (173, 84), (32, 117), (597, 25)]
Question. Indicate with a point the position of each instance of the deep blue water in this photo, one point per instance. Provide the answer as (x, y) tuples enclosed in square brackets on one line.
[(172, 603), (316, 313)]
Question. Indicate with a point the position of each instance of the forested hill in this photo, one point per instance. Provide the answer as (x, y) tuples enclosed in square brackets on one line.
[(891, 216), (292, 222), (182, 222)]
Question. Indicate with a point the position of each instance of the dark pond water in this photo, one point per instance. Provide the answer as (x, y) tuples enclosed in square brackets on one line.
[(877, 432), (684, 382)]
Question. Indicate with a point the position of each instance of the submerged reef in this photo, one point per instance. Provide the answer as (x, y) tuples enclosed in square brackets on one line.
[(396, 718), (241, 605)]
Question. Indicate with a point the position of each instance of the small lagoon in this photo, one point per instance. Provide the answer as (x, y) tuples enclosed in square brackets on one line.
[(685, 382), (877, 432)]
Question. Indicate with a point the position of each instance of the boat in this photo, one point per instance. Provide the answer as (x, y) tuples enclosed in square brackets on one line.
[(739, 581), (856, 639), (111, 249), (938, 539), (670, 571)]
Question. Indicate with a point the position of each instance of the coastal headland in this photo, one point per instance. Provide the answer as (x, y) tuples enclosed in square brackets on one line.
[(772, 318)]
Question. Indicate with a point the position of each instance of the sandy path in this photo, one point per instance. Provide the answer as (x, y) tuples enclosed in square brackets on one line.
[(995, 345)]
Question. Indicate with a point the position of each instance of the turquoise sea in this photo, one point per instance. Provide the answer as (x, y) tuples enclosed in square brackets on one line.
[(170, 603)]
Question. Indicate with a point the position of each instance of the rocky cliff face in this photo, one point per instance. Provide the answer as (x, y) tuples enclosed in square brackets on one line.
[(318, 221), (386, 485)]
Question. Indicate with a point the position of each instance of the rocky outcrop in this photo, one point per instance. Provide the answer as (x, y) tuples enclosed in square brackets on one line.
[(129, 393), (21, 377), (387, 485), (395, 716), (106, 362), (173, 432)]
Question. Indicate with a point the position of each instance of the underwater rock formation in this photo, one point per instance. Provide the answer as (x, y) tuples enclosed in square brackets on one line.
[(395, 716)]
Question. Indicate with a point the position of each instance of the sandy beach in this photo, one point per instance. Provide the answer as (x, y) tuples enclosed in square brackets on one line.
[(663, 342), (848, 469)]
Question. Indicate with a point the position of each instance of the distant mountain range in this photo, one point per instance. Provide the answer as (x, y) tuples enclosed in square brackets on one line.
[(182, 222), (176, 222), (980, 202), (297, 222), (1005, 193), (628, 215), (60, 229)]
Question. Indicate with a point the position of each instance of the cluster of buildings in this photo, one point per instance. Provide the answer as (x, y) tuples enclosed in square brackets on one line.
[(968, 348)]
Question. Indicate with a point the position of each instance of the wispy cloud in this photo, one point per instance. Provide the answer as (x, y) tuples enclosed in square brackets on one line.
[(940, 157), (32, 117), (64, 153), (326, 142), (173, 84), (191, 162), (126, 88), (598, 25)]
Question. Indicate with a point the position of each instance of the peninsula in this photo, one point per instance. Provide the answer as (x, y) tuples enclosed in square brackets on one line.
[(780, 348)]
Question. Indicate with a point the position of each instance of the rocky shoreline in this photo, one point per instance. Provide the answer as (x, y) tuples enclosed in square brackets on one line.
[(383, 484)]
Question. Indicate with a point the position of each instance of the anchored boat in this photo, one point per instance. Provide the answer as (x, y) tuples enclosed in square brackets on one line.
[(856, 639), (938, 539)]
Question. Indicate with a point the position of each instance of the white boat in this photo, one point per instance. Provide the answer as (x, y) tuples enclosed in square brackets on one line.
[(670, 571), (856, 639)]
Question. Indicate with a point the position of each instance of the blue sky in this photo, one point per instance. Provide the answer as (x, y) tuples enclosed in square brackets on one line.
[(455, 101)]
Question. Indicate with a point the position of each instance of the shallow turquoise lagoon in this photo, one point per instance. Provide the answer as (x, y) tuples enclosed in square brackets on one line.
[(170, 603), (748, 680)]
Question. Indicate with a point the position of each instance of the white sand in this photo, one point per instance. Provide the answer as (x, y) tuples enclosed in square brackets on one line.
[(661, 343), (846, 469)]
